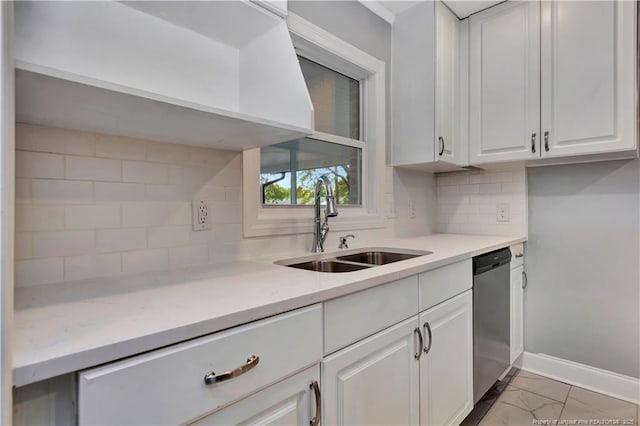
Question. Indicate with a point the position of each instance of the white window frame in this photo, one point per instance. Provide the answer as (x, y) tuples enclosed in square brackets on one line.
[(322, 47)]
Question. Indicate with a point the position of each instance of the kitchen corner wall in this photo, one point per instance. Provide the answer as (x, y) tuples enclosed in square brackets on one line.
[(583, 299), (91, 205), (467, 201)]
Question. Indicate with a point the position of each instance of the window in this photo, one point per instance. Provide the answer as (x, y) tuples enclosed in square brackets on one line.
[(347, 88), (289, 170)]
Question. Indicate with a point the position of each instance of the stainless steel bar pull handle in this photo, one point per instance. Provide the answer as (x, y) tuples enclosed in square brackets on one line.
[(427, 328), (441, 140), (525, 280), (418, 353), (533, 142), (211, 377), (315, 421), (546, 140)]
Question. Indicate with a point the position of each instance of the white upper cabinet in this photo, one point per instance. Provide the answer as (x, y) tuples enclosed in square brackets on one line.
[(216, 74), (504, 86), (425, 72), (447, 147), (552, 79), (588, 77)]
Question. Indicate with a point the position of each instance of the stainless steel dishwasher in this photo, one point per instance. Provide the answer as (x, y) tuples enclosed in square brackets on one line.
[(491, 322)]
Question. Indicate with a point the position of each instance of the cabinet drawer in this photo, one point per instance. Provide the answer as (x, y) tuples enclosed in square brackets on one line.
[(443, 283), (349, 318), (167, 386)]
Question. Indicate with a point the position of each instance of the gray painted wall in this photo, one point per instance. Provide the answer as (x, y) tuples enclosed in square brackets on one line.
[(582, 260), (357, 25)]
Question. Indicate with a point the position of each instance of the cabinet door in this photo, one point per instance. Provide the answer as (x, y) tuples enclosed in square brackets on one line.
[(374, 381), (517, 310), (504, 92), (588, 77), (447, 48), (446, 369), (289, 402), (413, 45)]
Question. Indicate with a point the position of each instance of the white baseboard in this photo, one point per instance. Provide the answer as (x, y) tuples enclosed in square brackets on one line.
[(592, 378)]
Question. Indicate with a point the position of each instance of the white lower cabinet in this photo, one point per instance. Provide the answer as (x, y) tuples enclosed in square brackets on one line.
[(185, 382), (290, 402), (518, 283), (446, 365), (374, 381)]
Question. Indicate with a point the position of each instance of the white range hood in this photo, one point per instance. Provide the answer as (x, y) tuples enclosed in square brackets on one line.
[(220, 74)]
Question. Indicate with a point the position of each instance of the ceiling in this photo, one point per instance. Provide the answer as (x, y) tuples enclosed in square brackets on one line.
[(389, 8)]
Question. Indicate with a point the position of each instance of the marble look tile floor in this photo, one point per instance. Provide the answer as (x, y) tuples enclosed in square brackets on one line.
[(524, 398)]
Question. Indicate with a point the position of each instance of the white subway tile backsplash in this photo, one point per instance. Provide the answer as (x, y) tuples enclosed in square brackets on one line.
[(226, 213), (119, 192), (175, 174), (120, 148), (232, 194), (167, 153), (168, 236), (145, 172), (95, 169), (112, 240), (39, 165), (62, 243), (23, 190), (92, 266), (39, 217), (229, 233), (23, 245), (145, 260), (101, 216), (489, 188), (180, 257), (144, 214), (165, 193), (180, 214), (467, 201), (39, 271), (63, 191), (513, 187), (30, 137), (93, 205), (468, 189)]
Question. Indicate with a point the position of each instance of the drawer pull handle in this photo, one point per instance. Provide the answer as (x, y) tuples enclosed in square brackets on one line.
[(427, 328), (519, 254), (315, 421), (212, 377)]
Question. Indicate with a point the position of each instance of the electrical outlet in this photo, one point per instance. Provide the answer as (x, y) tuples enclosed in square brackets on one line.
[(412, 209), (502, 212), (201, 210), (389, 206)]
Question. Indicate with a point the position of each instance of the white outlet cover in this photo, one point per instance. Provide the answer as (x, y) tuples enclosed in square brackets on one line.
[(502, 212), (201, 212)]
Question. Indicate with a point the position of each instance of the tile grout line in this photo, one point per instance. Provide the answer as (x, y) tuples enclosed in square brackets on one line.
[(539, 394), (565, 402)]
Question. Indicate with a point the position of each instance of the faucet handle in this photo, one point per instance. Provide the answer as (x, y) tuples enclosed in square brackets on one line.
[(343, 241)]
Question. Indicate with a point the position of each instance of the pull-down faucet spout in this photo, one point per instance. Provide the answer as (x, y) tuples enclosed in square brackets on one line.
[(320, 230)]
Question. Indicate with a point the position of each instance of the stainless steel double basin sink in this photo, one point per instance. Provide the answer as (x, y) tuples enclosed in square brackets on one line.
[(352, 260)]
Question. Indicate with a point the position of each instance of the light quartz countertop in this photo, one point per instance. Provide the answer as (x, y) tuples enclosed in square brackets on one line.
[(67, 327)]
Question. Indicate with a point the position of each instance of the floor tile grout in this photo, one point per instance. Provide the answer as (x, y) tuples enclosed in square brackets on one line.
[(564, 404)]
